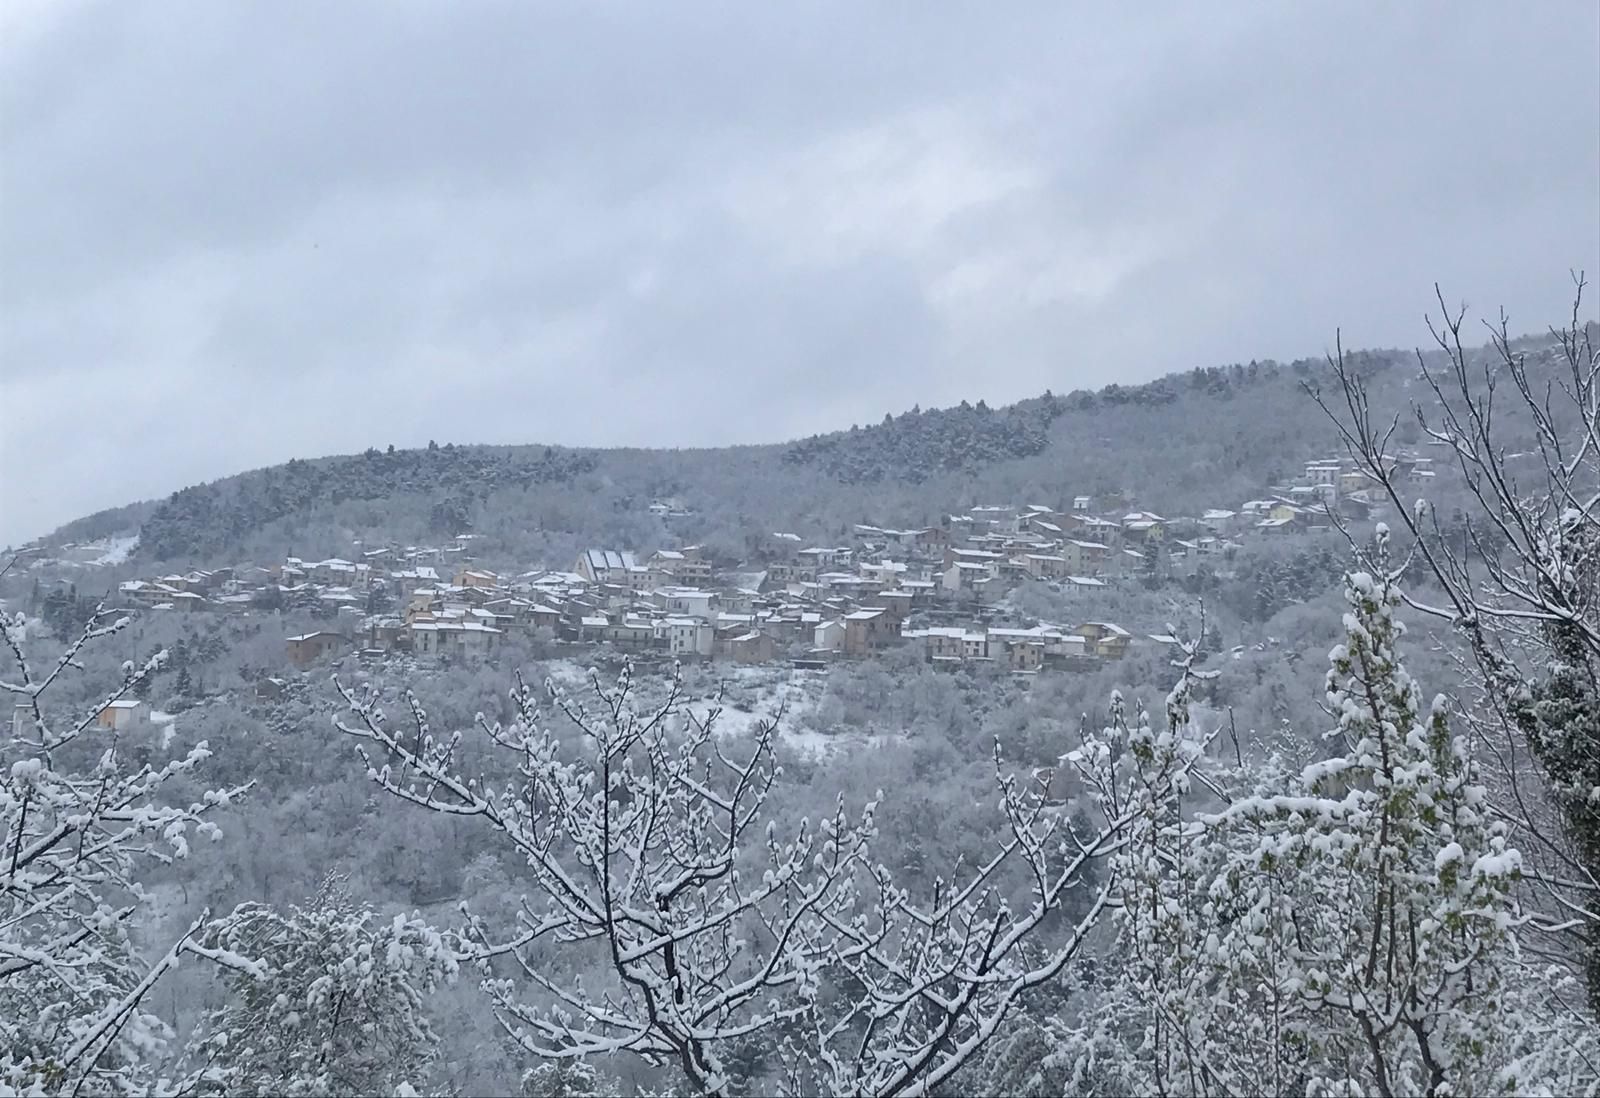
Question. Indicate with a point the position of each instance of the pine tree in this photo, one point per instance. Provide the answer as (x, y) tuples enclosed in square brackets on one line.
[(1371, 901), (1341, 929)]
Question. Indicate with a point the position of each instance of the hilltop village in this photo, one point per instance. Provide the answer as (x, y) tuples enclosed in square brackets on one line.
[(939, 588)]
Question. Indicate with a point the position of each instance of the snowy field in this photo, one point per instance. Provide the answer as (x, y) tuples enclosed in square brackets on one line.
[(749, 696)]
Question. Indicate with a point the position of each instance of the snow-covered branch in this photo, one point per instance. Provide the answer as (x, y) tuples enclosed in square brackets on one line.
[(71, 842), (649, 838)]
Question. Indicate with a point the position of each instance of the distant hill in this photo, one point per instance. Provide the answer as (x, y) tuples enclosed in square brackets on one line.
[(208, 519), (1210, 437)]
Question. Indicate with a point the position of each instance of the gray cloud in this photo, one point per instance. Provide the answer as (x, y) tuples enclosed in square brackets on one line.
[(232, 234)]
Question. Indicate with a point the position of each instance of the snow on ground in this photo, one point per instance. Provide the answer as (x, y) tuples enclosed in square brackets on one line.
[(169, 721), (117, 551), (790, 697), (750, 694)]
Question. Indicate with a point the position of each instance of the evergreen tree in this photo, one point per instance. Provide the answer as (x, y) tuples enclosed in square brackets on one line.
[(1344, 928)]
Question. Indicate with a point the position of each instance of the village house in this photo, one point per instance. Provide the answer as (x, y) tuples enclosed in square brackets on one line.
[(689, 637), (686, 601), (931, 541), (975, 646), (472, 577), (940, 642), (457, 639), (868, 630), (1021, 649), (1104, 639), (740, 600), (817, 558), (663, 566), (1144, 527), (406, 580), (122, 713), (987, 557), (1044, 565), (1094, 528), (184, 600), (751, 647), (1219, 520), (387, 634), (308, 648), (1085, 558), (631, 633), (336, 570), (606, 566), (828, 635), (968, 576), (1083, 587), (1323, 472), (691, 569), (898, 602), (540, 616)]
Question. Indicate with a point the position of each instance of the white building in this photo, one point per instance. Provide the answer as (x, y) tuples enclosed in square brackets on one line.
[(689, 637), (828, 636)]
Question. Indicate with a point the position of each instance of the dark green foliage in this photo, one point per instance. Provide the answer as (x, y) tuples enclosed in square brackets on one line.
[(209, 519), (65, 611), (379, 600), (1559, 712), (268, 598), (920, 444), (104, 524), (1269, 577)]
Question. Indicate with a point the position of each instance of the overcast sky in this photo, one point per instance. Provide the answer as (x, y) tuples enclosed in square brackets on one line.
[(232, 234)]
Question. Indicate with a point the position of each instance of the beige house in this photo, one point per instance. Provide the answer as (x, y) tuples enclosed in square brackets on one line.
[(1104, 639), (1045, 565), (752, 647), (122, 713), (308, 648), (869, 630), (1022, 649), (1085, 558)]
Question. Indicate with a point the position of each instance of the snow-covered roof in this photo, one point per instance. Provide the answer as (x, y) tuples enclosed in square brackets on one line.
[(602, 559)]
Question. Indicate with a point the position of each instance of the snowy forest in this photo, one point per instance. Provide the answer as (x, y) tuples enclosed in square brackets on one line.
[(1356, 852)]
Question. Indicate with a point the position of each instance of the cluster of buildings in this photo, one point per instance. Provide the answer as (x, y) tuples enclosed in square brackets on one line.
[(882, 587)]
